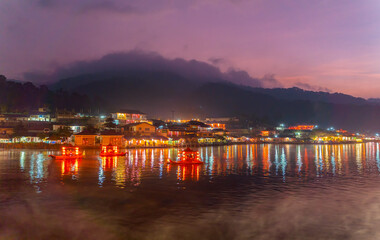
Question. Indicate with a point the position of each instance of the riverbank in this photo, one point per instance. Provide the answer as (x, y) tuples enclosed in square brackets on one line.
[(58, 146)]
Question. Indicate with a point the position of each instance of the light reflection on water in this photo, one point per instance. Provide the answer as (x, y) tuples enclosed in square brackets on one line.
[(262, 161), (253, 182)]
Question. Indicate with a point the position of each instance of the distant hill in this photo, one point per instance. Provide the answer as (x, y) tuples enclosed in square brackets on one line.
[(159, 93), (24, 97), (300, 94)]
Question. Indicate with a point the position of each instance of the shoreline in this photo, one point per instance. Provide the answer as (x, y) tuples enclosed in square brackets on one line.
[(58, 146)]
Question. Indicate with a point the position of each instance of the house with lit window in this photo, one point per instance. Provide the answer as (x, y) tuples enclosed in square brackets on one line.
[(85, 138), (217, 125), (76, 127), (4, 130), (13, 117), (147, 141), (128, 116), (111, 137), (176, 131), (197, 126), (141, 129), (42, 115)]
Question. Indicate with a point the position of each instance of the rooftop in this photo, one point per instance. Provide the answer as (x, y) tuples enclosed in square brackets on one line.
[(130, 111)]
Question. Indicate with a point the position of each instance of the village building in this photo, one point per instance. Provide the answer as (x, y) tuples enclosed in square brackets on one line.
[(221, 119), (6, 130), (38, 127), (141, 129), (148, 141), (123, 117), (5, 138), (197, 126), (76, 127), (176, 131), (42, 115), (111, 137), (85, 138), (13, 118), (217, 125), (27, 138)]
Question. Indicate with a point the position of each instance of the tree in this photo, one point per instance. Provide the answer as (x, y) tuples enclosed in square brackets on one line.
[(109, 123), (19, 130), (64, 132), (90, 128)]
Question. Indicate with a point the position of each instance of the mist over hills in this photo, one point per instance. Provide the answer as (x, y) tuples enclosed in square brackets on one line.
[(160, 93), (296, 93), (159, 86)]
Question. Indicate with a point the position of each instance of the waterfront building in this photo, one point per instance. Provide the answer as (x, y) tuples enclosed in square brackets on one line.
[(85, 138), (148, 141), (111, 137), (27, 138)]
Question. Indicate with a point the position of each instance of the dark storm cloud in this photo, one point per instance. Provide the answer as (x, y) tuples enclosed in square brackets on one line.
[(149, 61), (310, 87)]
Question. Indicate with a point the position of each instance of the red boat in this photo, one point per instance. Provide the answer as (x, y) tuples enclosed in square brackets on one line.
[(111, 151), (68, 153), (187, 156)]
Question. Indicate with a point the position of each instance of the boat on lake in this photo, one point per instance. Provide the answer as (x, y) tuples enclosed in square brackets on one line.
[(111, 151), (68, 153), (187, 156)]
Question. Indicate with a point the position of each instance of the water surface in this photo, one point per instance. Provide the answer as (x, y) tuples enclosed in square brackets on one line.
[(258, 191)]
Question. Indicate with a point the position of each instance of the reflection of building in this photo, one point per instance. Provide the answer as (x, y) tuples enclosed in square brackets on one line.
[(109, 163), (69, 167), (128, 116), (186, 172), (85, 138)]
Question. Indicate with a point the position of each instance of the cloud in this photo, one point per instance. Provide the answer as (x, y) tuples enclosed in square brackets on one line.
[(217, 61), (138, 60), (310, 87), (115, 6), (85, 6)]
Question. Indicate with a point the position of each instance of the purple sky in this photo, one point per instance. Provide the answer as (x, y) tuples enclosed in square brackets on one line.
[(313, 44)]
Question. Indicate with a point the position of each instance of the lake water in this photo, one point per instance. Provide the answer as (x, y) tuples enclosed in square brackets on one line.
[(258, 191)]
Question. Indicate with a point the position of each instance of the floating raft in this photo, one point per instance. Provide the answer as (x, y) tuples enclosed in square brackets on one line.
[(68, 153), (187, 156), (111, 151)]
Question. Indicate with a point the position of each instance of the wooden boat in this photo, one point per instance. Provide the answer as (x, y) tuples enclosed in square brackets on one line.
[(111, 151), (68, 153), (187, 156)]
